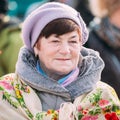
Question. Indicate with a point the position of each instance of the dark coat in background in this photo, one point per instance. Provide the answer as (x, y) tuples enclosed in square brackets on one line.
[(83, 8)]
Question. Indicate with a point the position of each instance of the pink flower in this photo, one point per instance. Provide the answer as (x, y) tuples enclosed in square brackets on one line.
[(88, 117), (79, 108), (103, 103), (6, 85)]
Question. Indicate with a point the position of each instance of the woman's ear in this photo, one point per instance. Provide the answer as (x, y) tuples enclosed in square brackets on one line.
[(36, 50)]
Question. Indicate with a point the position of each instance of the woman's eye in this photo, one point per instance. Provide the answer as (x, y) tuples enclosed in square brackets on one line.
[(73, 41), (55, 41)]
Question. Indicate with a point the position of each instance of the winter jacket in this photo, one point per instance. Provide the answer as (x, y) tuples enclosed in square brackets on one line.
[(105, 38), (10, 43), (27, 95)]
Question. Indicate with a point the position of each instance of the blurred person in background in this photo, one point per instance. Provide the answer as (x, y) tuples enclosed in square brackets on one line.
[(10, 40), (105, 38), (83, 7)]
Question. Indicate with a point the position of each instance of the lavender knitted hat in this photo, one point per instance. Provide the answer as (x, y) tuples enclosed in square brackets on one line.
[(39, 18)]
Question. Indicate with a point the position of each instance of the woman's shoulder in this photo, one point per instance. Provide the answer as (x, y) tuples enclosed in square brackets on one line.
[(106, 88), (104, 91), (18, 98), (6, 81), (100, 91), (100, 103)]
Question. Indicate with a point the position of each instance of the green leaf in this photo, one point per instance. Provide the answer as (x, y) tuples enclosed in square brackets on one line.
[(1, 89)]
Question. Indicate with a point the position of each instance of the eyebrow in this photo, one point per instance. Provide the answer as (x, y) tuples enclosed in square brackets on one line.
[(71, 37)]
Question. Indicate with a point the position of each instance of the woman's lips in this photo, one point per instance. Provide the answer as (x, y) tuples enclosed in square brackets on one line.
[(63, 59)]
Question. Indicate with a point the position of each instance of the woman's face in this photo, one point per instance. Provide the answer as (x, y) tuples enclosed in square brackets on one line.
[(60, 54)]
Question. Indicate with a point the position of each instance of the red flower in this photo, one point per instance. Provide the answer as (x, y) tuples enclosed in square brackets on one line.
[(111, 116), (85, 111)]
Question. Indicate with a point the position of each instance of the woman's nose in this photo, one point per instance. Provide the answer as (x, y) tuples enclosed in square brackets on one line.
[(64, 48)]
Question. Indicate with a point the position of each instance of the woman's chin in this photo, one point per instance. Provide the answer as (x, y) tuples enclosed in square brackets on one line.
[(63, 71)]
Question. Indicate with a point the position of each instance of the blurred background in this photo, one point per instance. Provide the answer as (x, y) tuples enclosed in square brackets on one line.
[(19, 8)]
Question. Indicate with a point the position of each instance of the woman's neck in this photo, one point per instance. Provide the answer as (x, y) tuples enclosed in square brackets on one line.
[(115, 18), (50, 73)]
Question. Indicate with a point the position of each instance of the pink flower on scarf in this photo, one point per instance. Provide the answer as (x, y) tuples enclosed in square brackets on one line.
[(88, 117), (6, 85), (79, 108), (103, 102)]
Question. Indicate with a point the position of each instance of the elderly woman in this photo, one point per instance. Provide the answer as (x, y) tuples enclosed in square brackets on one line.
[(56, 77), (105, 35)]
